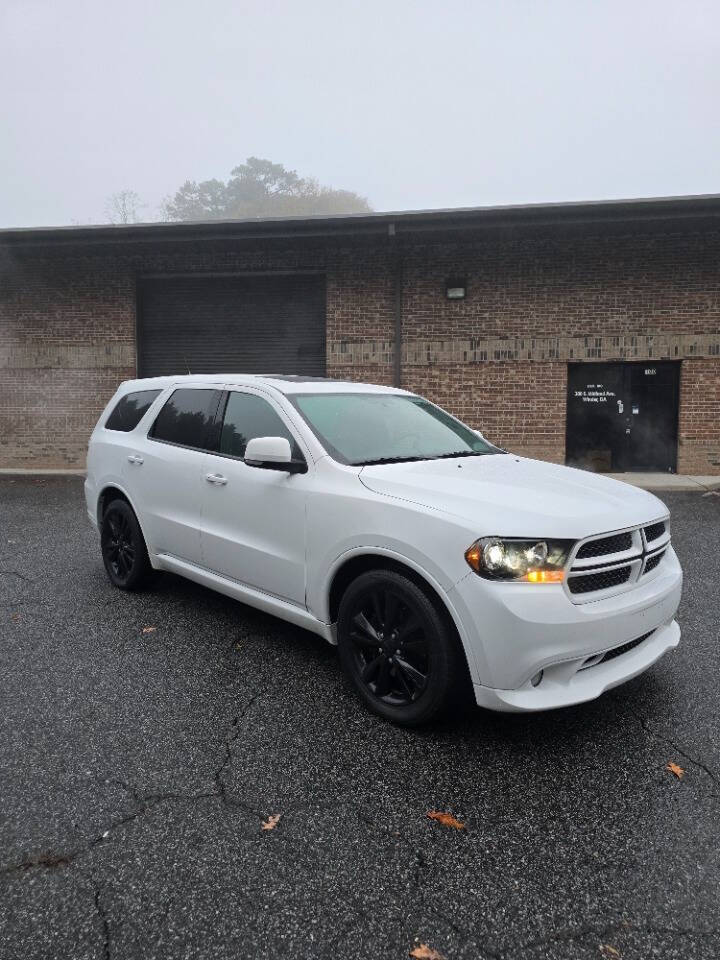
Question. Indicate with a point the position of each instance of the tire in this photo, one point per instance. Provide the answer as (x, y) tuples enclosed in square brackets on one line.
[(397, 649), (123, 547)]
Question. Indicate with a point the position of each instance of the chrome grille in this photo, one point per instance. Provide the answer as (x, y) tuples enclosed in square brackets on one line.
[(600, 548), (602, 580), (653, 561), (654, 531), (610, 563)]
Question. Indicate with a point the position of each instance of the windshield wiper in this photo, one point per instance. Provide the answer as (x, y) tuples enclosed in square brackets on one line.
[(429, 456), (372, 463), (460, 453)]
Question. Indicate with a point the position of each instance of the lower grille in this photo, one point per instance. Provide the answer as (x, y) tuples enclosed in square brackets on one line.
[(625, 648), (653, 562), (602, 580)]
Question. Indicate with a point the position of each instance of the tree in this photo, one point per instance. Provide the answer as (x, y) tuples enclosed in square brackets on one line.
[(260, 188), (123, 207)]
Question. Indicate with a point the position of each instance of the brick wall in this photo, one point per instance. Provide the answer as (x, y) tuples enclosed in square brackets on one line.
[(498, 359), (699, 426)]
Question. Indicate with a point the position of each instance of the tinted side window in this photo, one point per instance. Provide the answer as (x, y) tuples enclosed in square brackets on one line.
[(130, 409), (247, 417), (186, 419)]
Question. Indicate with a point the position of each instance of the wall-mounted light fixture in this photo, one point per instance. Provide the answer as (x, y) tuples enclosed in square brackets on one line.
[(455, 288)]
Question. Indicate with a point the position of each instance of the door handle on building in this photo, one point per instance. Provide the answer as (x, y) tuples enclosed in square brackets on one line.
[(216, 478), (135, 459)]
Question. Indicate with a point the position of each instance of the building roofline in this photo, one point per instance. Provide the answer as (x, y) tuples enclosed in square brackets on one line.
[(704, 207)]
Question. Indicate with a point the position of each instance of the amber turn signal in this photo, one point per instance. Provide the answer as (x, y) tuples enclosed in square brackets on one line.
[(545, 576), (473, 557)]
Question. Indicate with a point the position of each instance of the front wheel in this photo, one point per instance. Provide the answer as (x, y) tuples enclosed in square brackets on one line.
[(396, 648), (123, 547)]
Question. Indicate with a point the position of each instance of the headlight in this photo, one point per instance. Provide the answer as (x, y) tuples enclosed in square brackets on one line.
[(533, 561)]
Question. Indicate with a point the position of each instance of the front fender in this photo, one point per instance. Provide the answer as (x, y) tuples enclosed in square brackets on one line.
[(400, 557)]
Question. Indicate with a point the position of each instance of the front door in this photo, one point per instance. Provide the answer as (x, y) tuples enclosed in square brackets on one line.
[(623, 416), (254, 518)]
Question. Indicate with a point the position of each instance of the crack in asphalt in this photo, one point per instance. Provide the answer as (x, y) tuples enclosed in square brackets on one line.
[(230, 738), (105, 925), (143, 803), (652, 732), (16, 573), (584, 931), (146, 802), (416, 886)]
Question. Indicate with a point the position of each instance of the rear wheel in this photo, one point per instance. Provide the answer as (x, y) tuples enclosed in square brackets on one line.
[(397, 648), (123, 547)]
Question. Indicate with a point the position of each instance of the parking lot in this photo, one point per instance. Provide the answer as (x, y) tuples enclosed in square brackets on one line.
[(146, 738)]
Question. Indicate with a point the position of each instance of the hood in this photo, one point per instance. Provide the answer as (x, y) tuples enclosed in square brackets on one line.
[(510, 496)]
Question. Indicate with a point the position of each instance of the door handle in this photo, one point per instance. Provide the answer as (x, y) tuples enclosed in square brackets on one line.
[(135, 459), (216, 478)]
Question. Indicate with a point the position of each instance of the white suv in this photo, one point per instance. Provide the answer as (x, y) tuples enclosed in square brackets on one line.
[(382, 523)]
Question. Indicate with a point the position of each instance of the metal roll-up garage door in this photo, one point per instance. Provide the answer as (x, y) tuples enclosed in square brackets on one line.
[(238, 324)]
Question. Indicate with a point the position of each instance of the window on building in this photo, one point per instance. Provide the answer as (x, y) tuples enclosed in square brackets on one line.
[(187, 419), (247, 417), (130, 409)]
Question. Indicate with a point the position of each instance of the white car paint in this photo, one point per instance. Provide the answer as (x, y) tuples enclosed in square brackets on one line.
[(276, 540)]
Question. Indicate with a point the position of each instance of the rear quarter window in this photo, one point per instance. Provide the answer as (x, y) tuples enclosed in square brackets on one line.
[(130, 409)]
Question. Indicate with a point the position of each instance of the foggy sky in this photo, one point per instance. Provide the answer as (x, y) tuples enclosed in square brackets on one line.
[(412, 104)]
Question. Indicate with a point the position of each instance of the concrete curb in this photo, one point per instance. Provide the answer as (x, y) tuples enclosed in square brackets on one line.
[(668, 482), (12, 472)]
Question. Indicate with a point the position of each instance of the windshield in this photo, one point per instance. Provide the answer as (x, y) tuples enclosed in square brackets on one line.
[(365, 428)]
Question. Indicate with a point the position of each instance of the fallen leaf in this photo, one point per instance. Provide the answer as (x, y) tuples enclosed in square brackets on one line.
[(272, 821), (607, 951), (446, 819), (149, 629), (674, 768), (424, 952)]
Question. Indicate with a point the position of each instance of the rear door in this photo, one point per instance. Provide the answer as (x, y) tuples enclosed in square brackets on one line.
[(254, 518), (164, 471)]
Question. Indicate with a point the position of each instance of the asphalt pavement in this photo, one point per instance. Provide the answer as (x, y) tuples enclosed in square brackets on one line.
[(146, 738)]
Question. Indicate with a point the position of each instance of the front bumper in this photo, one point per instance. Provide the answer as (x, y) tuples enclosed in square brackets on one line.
[(516, 630), (570, 682)]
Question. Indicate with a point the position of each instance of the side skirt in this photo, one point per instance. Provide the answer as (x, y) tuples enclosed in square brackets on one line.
[(240, 591)]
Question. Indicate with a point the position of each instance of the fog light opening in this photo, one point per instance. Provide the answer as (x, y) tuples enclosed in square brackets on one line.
[(535, 681)]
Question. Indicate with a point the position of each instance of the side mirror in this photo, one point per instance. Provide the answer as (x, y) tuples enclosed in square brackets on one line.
[(272, 453)]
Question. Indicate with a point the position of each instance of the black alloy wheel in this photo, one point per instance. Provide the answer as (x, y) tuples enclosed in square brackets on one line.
[(396, 647), (123, 547)]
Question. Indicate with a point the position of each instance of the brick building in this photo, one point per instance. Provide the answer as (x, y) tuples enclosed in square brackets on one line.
[(580, 332)]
